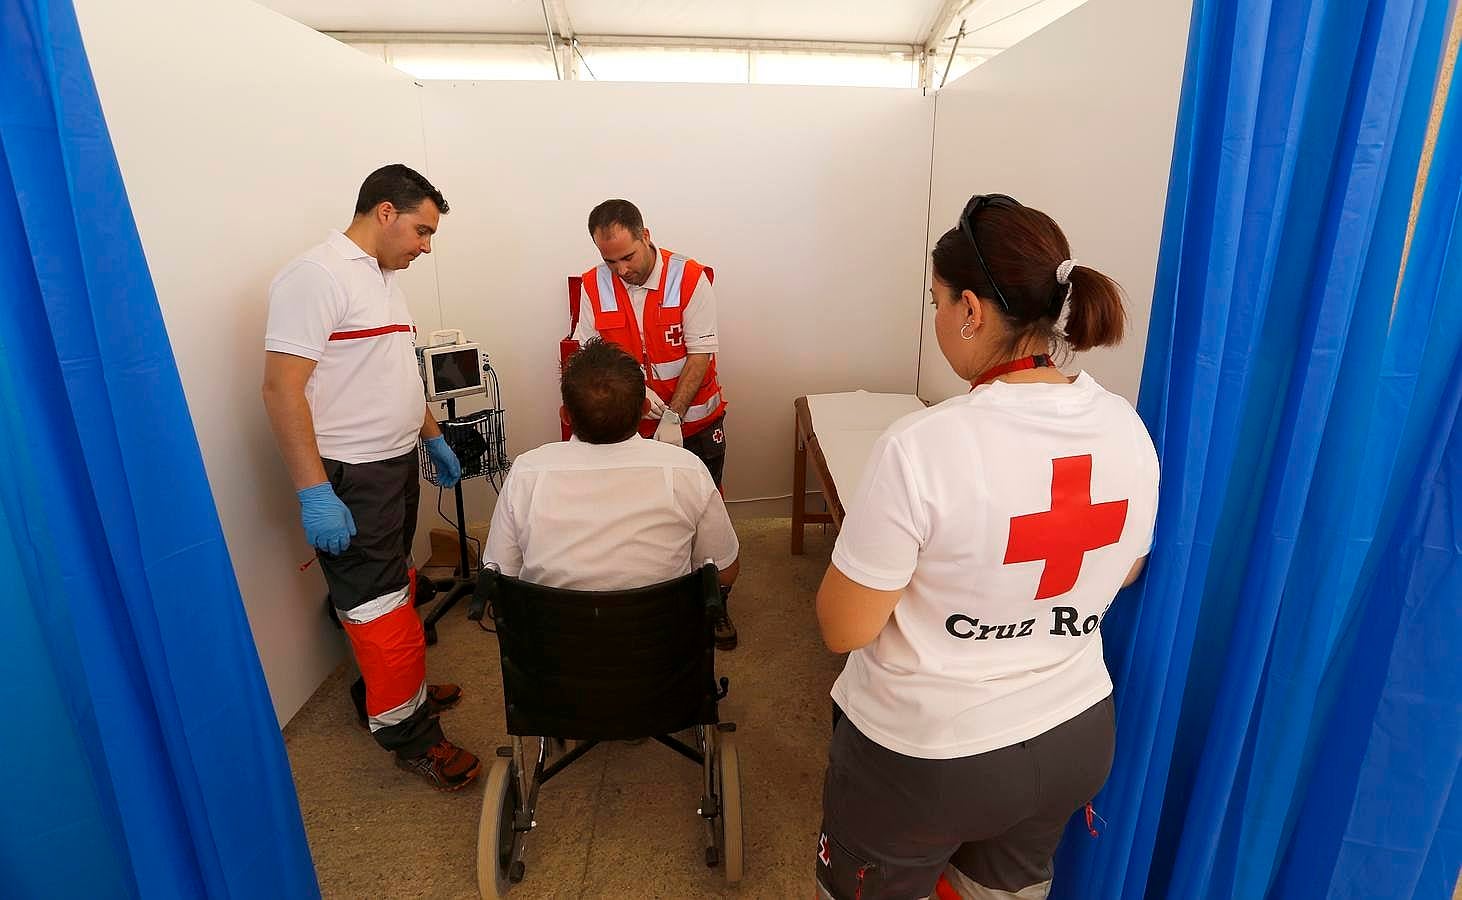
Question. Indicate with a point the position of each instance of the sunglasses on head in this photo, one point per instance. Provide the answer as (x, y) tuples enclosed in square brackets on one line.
[(967, 227)]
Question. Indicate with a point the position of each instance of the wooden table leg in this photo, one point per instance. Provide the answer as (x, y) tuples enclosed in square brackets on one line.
[(799, 490)]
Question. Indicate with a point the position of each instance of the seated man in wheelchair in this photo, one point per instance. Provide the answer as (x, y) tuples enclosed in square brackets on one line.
[(609, 510), (609, 550)]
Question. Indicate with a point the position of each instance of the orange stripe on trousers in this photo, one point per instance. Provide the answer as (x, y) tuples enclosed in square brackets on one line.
[(391, 652)]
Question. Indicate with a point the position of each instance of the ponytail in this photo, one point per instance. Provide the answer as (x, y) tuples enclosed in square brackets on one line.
[(1096, 316), (1017, 258)]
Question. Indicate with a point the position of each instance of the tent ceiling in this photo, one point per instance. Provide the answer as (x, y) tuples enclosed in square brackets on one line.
[(852, 21)]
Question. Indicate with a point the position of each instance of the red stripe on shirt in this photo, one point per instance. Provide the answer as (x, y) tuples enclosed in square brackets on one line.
[(369, 332)]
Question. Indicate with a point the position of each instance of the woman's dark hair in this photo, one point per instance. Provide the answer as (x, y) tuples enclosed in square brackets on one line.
[(604, 391), (1020, 249), (402, 186)]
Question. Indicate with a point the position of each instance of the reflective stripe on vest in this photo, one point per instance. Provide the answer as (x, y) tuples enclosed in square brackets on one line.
[(674, 274), (667, 371), (702, 410), (669, 298), (607, 301)]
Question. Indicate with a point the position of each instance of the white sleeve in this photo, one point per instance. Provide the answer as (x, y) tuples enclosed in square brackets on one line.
[(715, 538), (699, 321), (305, 305), (502, 548), (885, 527), (584, 330)]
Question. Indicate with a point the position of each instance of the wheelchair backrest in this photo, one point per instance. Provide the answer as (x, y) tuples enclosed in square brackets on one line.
[(610, 665)]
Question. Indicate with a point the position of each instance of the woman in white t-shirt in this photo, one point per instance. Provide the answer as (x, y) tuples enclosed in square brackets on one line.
[(989, 536)]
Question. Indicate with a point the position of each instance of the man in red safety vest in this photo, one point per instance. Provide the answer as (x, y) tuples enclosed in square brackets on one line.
[(659, 306)]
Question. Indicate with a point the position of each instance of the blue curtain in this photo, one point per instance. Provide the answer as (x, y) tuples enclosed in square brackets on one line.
[(1286, 673), (143, 756)]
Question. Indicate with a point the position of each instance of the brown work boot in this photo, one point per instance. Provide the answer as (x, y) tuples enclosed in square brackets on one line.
[(444, 764), (441, 697), (724, 631)]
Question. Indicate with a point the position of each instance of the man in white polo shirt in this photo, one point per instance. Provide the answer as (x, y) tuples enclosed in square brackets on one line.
[(346, 403), (608, 510)]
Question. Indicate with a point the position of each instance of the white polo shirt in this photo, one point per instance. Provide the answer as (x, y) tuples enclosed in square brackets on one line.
[(335, 306), (1009, 517), (699, 320), (606, 517)]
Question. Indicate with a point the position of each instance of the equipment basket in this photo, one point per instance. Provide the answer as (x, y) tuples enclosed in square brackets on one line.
[(477, 439)]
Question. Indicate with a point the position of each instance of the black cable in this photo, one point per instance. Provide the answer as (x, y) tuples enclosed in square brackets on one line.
[(497, 465), (470, 538)]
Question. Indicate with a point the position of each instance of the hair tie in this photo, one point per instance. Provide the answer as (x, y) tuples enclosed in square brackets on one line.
[(1063, 271)]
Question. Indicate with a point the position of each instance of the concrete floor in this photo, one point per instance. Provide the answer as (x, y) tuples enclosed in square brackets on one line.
[(622, 821)]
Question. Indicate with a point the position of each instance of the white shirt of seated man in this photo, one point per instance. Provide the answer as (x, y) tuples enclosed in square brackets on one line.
[(608, 517)]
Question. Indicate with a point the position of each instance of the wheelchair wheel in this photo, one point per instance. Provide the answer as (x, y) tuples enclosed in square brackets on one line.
[(733, 839), (495, 831)]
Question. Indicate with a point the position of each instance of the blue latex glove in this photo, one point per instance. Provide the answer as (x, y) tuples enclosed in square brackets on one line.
[(328, 522), (449, 471)]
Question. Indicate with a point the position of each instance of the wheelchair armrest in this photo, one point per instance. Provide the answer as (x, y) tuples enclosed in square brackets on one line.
[(487, 588), (711, 593)]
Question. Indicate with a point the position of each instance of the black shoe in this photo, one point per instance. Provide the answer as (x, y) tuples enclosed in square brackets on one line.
[(725, 632), (357, 697)]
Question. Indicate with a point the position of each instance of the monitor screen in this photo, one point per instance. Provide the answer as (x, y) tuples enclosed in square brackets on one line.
[(455, 370)]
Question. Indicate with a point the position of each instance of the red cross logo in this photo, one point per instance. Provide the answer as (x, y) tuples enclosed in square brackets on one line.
[(718, 436), (1063, 535), (823, 855), (675, 336)]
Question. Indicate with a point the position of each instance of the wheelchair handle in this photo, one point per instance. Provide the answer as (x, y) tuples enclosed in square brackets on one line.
[(486, 585)]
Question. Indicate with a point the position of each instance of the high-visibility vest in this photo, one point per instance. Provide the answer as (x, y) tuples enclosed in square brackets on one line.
[(659, 341)]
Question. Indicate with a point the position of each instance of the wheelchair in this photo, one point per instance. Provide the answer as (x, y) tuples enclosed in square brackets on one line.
[(591, 666)]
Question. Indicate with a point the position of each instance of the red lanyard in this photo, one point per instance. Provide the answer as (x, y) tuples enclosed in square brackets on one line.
[(1038, 361)]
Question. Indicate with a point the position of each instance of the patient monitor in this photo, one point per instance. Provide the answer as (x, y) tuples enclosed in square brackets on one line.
[(451, 369)]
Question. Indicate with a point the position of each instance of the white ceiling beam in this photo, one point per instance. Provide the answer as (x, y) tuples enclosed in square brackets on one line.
[(559, 9), (552, 42), (564, 26), (942, 22), (563, 32), (618, 40)]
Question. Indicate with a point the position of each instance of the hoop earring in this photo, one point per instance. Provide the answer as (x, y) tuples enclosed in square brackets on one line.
[(968, 337)]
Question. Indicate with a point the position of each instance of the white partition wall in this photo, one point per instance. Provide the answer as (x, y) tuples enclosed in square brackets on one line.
[(242, 137), (807, 201), (1078, 121)]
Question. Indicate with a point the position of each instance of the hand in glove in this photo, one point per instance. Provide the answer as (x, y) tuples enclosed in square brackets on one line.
[(669, 430), (328, 522), (657, 406), (449, 471)]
